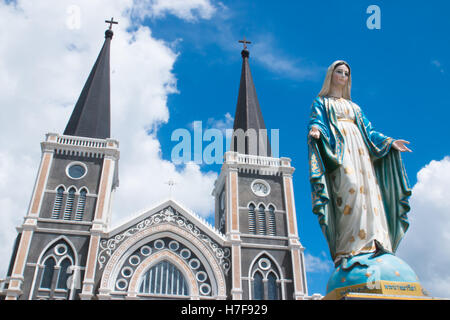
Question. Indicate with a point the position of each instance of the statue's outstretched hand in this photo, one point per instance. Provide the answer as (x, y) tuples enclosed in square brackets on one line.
[(400, 145), (314, 132)]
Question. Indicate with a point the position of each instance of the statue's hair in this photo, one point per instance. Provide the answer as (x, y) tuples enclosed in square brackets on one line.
[(327, 82)]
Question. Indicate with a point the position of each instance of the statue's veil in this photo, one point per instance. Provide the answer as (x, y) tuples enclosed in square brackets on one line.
[(327, 82)]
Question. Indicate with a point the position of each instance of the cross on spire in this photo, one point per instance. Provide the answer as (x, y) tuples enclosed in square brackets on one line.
[(171, 183), (244, 42), (91, 116), (111, 22)]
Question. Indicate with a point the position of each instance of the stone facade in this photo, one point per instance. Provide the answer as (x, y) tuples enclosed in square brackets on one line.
[(87, 260)]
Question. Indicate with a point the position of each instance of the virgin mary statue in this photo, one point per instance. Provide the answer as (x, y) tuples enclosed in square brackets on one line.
[(359, 185)]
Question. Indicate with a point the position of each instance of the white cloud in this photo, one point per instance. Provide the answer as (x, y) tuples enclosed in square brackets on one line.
[(426, 245), (221, 124), (45, 58), (190, 10), (266, 52), (318, 264)]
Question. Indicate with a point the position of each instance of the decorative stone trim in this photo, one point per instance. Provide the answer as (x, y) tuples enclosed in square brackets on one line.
[(154, 259), (81, 146), (113, 253), (108, 246)]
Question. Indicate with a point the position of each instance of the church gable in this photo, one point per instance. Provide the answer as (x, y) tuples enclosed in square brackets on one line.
[(179, 212), (164, 252)]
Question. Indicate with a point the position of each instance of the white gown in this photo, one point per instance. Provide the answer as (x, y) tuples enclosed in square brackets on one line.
[(360, 217)]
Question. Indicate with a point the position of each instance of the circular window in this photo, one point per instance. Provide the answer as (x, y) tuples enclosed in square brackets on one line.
[(205, 289), (127, 272), (61, 249), (134, 260), (121, 284), (185, 254), (146, 250), (76, 170), (159, 244), (201, 276), (264, 263), (173, 245), (194, 264)]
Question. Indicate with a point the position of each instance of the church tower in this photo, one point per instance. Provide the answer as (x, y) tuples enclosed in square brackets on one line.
[(255, 208), (54, 255)]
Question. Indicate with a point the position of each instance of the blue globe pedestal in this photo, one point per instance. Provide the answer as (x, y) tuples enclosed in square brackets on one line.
[(384, 275)]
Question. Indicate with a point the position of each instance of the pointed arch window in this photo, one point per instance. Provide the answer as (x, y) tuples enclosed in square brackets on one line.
[(63, 274), (56, 212), (81, 205), (69, 204), (164, 279), (261, 220), (273, 288), (272, 225), (258, 286), (56, 266), (265, 282), (47, 274), (251, 219)]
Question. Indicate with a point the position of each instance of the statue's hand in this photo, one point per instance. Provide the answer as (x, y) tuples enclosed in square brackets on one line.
[(314, 132), (400, 145)]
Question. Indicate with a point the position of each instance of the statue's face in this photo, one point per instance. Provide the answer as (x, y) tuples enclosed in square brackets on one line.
[(340, 76)]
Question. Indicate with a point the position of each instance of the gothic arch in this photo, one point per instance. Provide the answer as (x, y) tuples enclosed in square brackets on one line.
[(262, 204), (81, 189), (133, 242), (59, 186), (44, 255), (153, 260), (259, 255), (273, 269), (271, 272), (51, 243), (71, 187)]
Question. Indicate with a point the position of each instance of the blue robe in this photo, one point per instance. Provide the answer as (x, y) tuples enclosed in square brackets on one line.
[(326, 154)]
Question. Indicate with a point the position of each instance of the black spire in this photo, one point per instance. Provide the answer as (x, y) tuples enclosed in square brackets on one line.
[(248, 113), (91, 115)]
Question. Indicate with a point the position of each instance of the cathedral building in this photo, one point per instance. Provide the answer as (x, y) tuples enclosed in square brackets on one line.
[(66, 249)]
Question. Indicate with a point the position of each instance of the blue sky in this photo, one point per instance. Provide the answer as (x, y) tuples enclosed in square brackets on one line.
[(180, 63), (400, 77)]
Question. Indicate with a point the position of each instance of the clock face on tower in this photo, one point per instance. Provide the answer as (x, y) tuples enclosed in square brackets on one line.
[(260, 187)]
